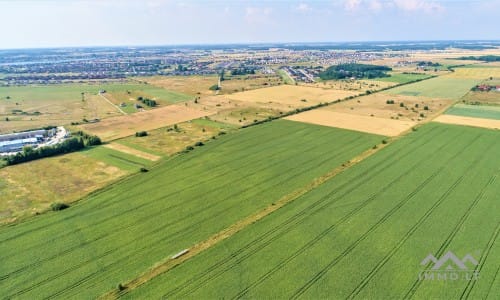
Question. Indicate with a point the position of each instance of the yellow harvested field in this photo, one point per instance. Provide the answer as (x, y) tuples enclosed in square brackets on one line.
[(191, 85), (386, 127), (292, 95), (351, 85), (132, 151), (468, 121), (31, 187), (118, 127), (476, 73), (376, 105)]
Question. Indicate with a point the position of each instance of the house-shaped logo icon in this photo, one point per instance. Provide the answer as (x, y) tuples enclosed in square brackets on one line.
[(449, 261)]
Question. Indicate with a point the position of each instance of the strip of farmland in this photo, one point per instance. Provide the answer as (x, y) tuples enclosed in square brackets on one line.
[(115, 235), (364, 233)]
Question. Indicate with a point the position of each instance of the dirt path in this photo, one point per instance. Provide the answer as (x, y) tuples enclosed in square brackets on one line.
[(115, 106)]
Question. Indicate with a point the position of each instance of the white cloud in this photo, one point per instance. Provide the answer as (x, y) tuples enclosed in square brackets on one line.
[(375, 5), (418, 5), (352, 5), (303, 7), (257, 14), (427, 6)]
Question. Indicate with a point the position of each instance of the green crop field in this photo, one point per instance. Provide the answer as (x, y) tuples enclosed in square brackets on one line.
[(475, 111), (117, 234), (403, 78), (364, 233), (124, 161), (440, 87)]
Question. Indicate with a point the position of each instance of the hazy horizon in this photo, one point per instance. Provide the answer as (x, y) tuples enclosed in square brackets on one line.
[(127, 23)]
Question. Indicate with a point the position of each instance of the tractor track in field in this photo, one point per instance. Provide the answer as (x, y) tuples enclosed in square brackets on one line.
[(139, 221), (491, 285), (416, 284), (286, 225), (389, 255), (337, 259), (470, 285), (152, 201), (146, 234), (231, 230), (193, 227), (325, 232), (109, 203)]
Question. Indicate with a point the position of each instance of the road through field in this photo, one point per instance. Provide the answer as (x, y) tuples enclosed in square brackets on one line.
[(111, 103)]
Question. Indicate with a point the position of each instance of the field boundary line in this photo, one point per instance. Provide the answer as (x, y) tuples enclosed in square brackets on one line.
[(170, 263), (270, 236)]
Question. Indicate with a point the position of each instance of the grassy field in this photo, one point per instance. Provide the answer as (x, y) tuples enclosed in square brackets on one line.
[(403, 78), (124, 161), (364, 233), (34, 106), (291, 95), (475, 111), (129, 93), (285, 77), (440, 87), (376, 105), (31, 187), (168, 141), (123, 126), (200, 85), (117, 234), (476, 72), (486, 98)]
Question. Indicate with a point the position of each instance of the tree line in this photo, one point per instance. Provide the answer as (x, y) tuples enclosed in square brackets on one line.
[(148, 102), (354, 70), (79, 141)]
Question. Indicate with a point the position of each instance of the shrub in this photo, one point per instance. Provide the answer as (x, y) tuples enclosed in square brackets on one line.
[(426, 107), (199, 144), (401, 104), (144, 170), (389, 102), (384, 142), (189, 148), (57, 206), (141, 133), (422, 115)]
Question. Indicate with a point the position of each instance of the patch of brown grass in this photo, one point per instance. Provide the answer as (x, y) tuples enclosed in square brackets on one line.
[(118, 127), (31, 187), (375, 105)]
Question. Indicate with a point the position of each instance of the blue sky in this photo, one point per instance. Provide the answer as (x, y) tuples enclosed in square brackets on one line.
[(49, 23)]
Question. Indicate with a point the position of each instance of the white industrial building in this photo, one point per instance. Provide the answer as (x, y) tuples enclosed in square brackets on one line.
[(14, 142)]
